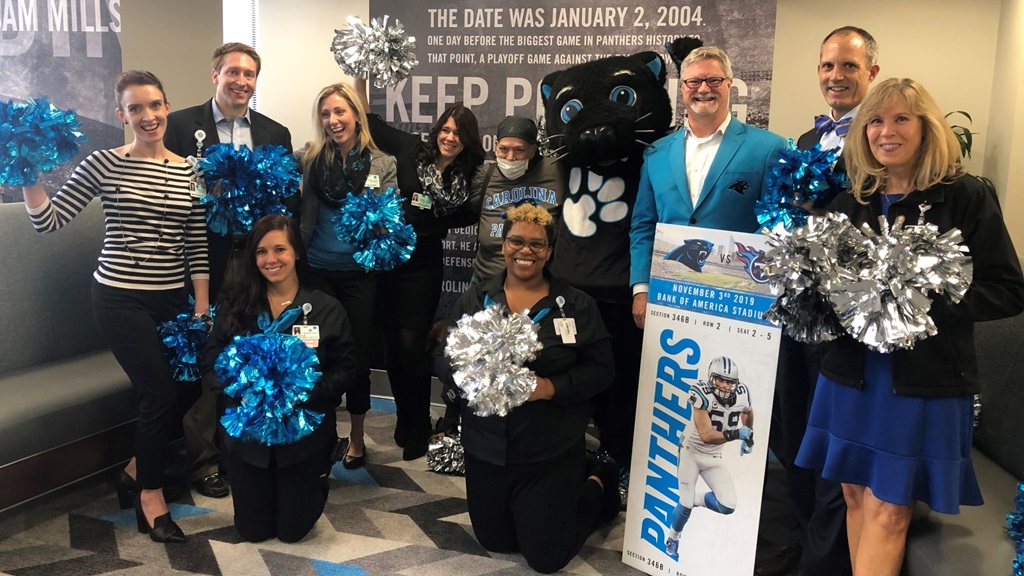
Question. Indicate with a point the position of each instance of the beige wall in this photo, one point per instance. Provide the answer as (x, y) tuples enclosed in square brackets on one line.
[(297, 61), (173, 40), (1006, 126)]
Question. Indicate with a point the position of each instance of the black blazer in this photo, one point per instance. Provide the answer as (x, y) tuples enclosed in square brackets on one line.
[(808, 139), (180, 139), (182, 125)]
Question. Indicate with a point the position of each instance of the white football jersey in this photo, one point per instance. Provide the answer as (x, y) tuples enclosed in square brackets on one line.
[(723, 418)]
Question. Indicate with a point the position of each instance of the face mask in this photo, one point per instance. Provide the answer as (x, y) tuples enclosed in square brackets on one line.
[(513, 169)]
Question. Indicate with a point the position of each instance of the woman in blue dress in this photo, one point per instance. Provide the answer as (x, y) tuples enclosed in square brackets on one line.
[(896, 428)]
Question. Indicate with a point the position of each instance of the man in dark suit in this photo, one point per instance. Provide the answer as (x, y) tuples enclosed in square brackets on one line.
[(847, 65), (224, 118), (709, 173)]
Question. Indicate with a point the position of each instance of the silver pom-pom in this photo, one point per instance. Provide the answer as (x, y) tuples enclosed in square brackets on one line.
[(884, 303), (488, 351), (801, 268), (445, 455), (386, 53), (977, 411)]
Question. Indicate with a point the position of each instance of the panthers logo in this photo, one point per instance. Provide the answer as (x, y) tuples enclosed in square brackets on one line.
[(692, 254), (754, 259)]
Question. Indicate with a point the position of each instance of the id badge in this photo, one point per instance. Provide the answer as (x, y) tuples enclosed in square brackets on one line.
[(422, 201), (309, 334), (197, 187), (566, 328), (373, 181)]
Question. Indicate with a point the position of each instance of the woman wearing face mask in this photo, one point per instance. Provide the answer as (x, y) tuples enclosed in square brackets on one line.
[(153, 225), (518, 175), (434, 179), (343, 159)]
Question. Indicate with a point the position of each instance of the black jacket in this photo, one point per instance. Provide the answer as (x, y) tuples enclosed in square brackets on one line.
[(542, 429), (944, 364), (336, 353)]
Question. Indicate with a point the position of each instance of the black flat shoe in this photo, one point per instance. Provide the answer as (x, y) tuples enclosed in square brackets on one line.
[(608, 472), (127, 489), (353, 462), (164, 530), (213, 486), (416, 446)]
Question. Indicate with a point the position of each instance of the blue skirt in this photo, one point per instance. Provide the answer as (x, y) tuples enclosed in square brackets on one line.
[(905, 448)]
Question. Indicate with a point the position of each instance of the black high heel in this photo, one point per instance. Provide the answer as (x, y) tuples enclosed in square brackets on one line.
[(126, 490), (164, 529)]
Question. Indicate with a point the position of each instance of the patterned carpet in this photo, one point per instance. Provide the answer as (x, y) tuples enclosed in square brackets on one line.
[(392, 517)]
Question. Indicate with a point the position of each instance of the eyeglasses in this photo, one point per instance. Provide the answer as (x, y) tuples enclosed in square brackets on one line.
[(517, 243), (694, 83)]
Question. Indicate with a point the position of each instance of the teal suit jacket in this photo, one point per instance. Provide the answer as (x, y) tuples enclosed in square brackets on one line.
[(735, 181)]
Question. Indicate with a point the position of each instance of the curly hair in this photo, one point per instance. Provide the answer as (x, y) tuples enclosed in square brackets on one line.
[(530, 214)]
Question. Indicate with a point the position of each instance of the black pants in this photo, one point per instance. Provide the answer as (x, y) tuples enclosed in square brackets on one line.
[(407, 298), (284, 502), (615, 407), (356, 290), (127, 319), (546, 510), (817, 503), (199, 425)]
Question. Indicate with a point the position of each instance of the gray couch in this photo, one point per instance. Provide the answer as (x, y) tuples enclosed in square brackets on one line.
[(974, 542), (59, 383)]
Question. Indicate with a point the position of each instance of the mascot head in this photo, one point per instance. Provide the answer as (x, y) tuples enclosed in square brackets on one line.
[(605, 111)]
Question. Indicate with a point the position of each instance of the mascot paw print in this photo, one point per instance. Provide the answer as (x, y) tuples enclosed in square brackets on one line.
[(595, 196)]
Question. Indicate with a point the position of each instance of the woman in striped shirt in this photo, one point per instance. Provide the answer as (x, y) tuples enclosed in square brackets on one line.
[(153, 224)]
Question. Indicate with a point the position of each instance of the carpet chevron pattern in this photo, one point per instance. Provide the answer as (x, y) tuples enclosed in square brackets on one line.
[(391, 517)]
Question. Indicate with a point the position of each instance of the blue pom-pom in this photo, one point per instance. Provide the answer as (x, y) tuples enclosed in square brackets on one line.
[(798, 178), (271, 375), (184, 339), (252, 185), (35, 137), (375, 225)]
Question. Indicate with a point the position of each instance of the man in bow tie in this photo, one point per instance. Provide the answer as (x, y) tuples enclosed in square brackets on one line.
[(225, 118), (846, 67), (709, 173)]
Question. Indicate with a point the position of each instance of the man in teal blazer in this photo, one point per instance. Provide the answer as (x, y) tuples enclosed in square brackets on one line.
[(709, 173)]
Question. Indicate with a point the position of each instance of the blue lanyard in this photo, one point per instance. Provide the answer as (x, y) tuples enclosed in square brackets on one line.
[(537, 316)]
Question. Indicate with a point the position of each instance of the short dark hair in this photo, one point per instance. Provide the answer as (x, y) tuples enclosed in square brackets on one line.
[(135, 78), (870, 46), (220, 53)]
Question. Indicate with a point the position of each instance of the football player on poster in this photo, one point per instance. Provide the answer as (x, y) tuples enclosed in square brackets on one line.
[(722, 412)]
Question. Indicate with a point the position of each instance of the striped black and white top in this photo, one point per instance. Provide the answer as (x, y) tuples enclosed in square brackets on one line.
[(152, 221)]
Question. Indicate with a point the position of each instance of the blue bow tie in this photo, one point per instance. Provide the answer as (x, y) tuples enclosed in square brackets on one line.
[(824, 124)]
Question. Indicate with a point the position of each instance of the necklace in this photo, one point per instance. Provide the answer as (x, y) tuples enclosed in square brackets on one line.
[(120, 217)]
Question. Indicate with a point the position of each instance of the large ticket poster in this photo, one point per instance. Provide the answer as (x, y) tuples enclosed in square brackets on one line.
[(704, 406)]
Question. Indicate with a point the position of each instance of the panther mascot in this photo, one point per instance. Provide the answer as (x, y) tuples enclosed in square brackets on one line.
[(599, 117)]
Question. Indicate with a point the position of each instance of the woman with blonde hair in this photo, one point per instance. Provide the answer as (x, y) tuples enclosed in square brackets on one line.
[(343, 159), (896, 428)]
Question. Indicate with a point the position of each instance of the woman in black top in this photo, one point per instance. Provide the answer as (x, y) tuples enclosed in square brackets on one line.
[(433, 178), (528, 487), (281, 490)]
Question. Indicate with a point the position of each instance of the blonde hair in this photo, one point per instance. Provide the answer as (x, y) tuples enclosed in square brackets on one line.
[(708, 53), (938, 158), (321, 143)]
